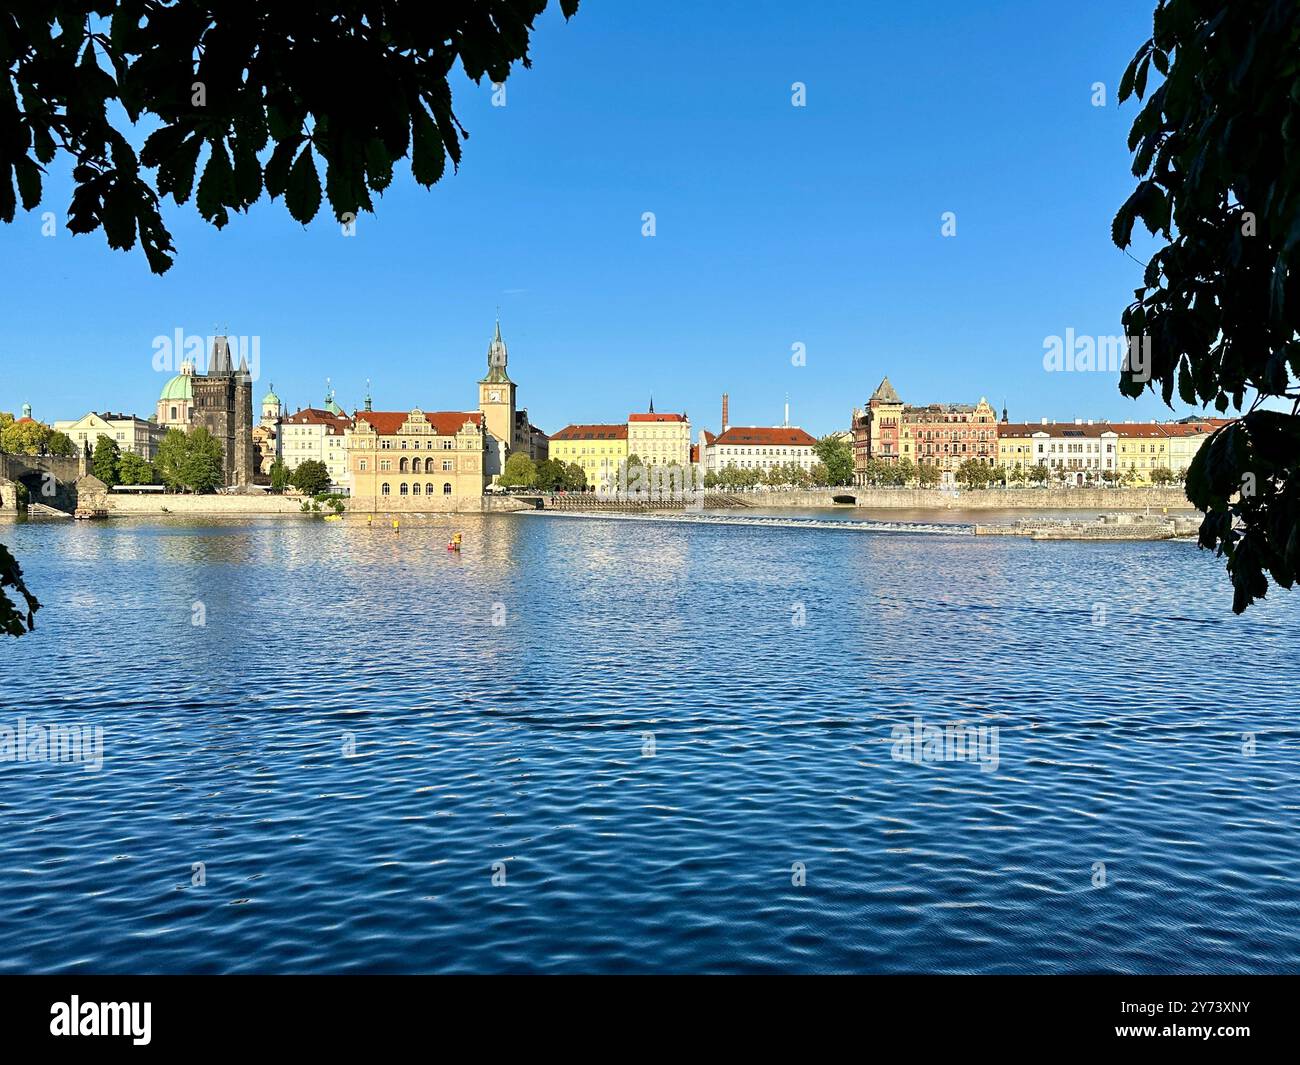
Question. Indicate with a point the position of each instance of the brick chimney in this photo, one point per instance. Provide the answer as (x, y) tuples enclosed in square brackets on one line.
[(725, 422)]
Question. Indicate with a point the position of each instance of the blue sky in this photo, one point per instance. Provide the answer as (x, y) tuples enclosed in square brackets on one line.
[(776, 226)]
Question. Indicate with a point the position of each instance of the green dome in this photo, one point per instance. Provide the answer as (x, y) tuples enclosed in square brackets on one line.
[(179, 387), (271, 399)]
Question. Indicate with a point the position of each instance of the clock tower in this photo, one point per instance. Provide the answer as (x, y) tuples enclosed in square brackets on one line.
[(496, 399)]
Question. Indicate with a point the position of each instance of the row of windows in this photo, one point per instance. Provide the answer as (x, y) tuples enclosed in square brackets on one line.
[(965, 434), (386, 465), (414, 489), (447, 444), (947, 449)]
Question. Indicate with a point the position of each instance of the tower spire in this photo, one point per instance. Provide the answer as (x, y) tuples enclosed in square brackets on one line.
[(497, 358)]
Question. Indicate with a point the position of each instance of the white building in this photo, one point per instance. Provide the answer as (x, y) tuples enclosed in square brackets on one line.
[(1081, 450), (131, 434), (320, 435), (759, 447)]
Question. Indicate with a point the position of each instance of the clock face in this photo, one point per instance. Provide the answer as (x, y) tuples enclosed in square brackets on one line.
[(494, 397)]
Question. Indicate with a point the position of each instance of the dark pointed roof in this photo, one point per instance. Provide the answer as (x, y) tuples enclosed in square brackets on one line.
[(885, 393), (220, 362), (497, 357)]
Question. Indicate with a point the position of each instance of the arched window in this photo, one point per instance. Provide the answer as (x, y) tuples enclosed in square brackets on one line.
[(415, 489), (385, 489), (446, 488), (173, 414), (402, 467), (428, 465), (404, 489), (428, 489)]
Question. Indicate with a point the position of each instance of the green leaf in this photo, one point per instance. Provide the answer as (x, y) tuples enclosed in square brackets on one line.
[(428, 160), (302, 193), (277, 167), (1121, 229), (29, 181), (216, 187), (118, 216), (176, 172), (379, 165)]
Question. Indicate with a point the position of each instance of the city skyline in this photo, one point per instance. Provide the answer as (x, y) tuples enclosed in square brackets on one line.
[(770, 234)]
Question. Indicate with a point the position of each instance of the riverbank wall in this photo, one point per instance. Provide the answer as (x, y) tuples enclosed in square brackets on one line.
[(977, 499), (250, 506)]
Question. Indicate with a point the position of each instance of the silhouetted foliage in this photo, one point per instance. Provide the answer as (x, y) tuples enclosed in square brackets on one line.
[(245, 97), (1217, 148), (14, 619)]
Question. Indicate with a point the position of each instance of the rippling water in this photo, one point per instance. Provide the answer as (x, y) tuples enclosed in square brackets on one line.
[(524, 747)]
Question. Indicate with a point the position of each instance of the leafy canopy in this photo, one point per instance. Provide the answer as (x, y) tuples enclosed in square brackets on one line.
[(519, 472), (836, 454), (1216, 147), (311, 478), (286, 97)]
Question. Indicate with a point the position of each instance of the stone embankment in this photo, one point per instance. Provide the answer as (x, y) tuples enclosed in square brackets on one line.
[(1099, 499), (1107, 527), (122, 505)]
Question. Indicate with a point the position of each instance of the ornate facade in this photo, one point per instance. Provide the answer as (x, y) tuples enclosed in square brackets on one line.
[(417, 460), (942, 434)]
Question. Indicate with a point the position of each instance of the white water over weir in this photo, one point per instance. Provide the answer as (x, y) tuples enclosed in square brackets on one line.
[(846, 525)]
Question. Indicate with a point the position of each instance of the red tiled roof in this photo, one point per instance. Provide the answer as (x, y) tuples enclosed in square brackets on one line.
[(656, 417), (1138, 430), (444, 422), (779, 436), (336, 423), (708, 437), (695, 453), (591, 432)]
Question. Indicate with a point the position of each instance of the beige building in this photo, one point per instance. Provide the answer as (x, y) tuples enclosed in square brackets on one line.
[(131, 434), (599, 449), (659, 439), (418, 460)]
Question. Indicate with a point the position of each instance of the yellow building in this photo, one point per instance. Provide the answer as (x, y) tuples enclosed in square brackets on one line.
[(599, 449), (659, 439), (1016, 445), (424, 460), (1143, 447)]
